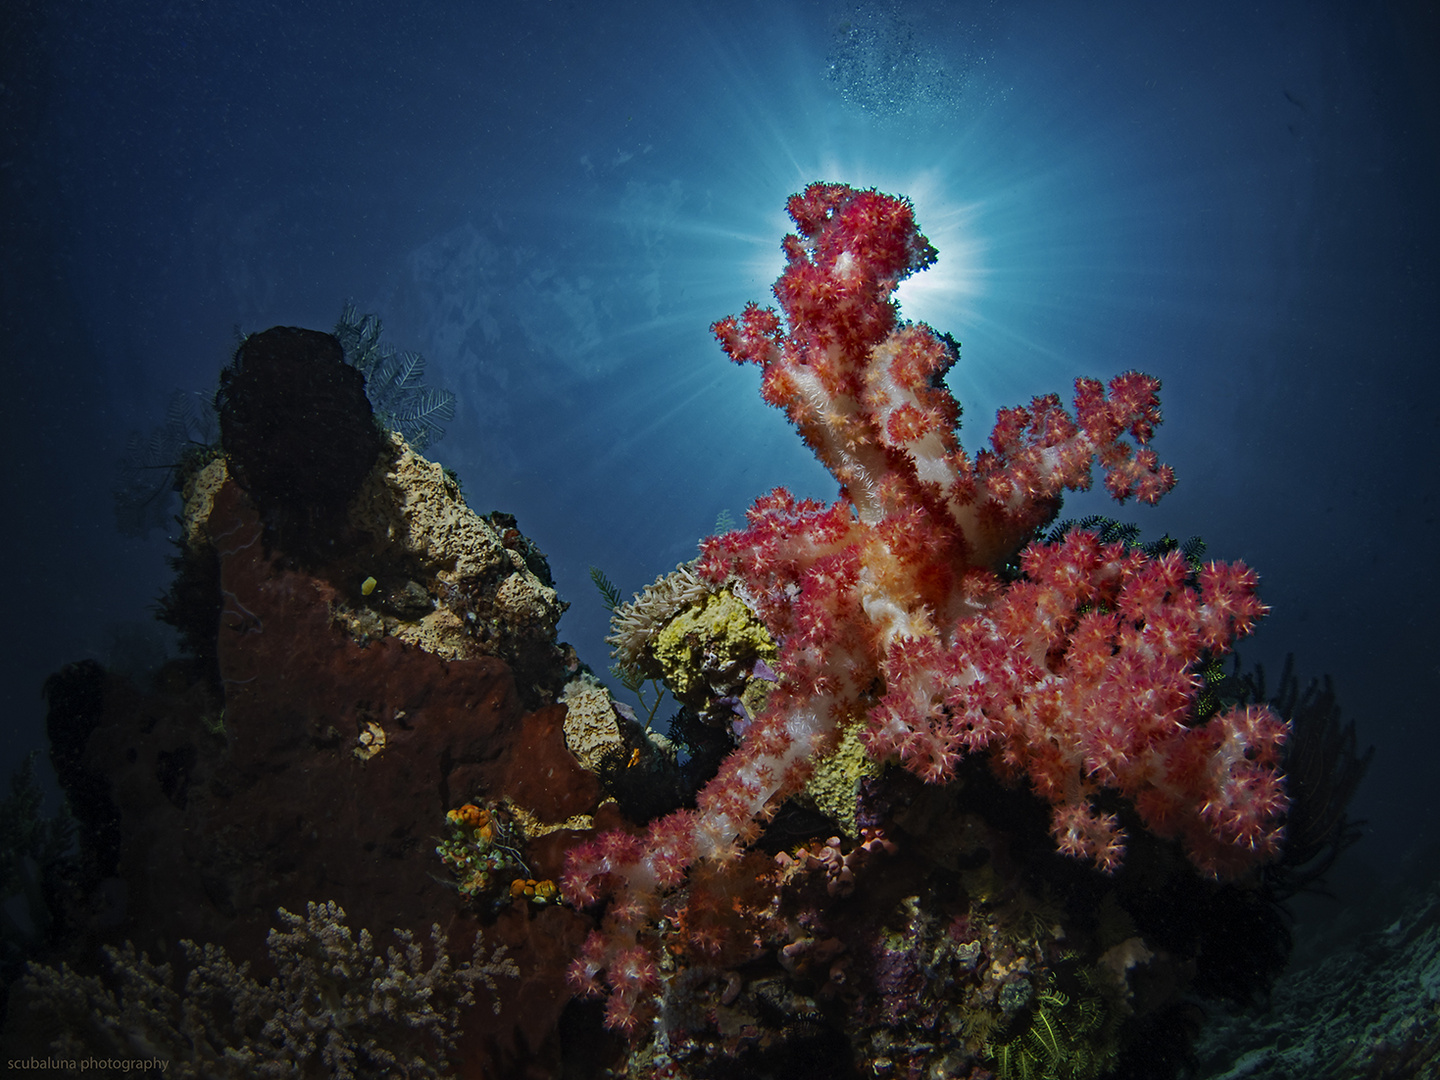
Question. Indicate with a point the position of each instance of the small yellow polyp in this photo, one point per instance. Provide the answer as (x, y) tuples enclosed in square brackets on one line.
[(368, 586)]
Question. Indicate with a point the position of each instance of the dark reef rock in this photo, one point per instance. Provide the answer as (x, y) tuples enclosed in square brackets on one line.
[(75, 696), (297, 429)]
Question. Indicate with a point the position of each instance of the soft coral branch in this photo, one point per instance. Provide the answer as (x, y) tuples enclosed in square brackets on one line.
[(887, 605)]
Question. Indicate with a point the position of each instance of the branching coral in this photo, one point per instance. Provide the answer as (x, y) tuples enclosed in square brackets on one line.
[(338, 1008), (37, 864), (889, 608)]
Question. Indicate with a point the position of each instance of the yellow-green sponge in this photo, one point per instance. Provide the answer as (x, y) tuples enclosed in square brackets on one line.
[(707, 641)]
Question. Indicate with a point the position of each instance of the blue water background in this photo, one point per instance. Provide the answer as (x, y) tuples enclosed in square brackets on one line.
[(553, 200)]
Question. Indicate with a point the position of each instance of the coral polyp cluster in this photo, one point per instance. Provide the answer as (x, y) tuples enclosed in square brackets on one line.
[(481, 852)]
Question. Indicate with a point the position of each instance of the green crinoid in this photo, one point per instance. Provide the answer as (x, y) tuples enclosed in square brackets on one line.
[(1059, 1036)]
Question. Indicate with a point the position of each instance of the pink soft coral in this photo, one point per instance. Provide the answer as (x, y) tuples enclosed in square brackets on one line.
[(1079, 676)]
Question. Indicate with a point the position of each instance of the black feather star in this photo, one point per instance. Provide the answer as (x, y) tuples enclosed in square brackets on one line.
[(394, 381), (150, 470)]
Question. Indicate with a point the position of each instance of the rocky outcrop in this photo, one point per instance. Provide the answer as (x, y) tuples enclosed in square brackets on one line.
[(348, 721)]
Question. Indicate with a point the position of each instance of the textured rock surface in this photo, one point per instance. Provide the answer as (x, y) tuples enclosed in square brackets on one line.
[(592, 729), (441, 577), (446, 581), (199, 494), (1365, 1005), (409, 506)]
